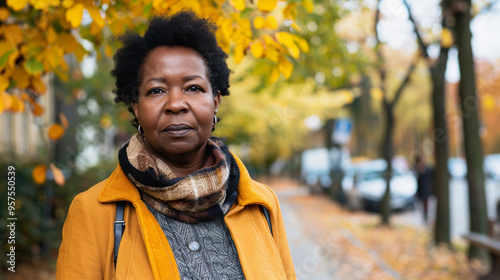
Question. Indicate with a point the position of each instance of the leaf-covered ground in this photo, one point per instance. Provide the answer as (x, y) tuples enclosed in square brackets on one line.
[(357, 247)]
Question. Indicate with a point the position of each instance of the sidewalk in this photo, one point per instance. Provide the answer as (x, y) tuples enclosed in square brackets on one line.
[(329, 242)]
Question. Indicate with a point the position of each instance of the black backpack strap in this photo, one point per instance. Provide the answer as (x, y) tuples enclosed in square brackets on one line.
[(119, 226), (268, 217)]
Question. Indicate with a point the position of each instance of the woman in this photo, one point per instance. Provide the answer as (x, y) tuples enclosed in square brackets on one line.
[(192, 211)]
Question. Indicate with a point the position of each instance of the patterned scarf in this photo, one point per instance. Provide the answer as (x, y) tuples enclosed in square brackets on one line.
[(205, 194)]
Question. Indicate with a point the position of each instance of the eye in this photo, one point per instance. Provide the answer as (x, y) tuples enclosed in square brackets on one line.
[(194, 88), (155, 91)]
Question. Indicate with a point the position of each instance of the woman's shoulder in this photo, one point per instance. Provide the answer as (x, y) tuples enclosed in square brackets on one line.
[(88, 201)]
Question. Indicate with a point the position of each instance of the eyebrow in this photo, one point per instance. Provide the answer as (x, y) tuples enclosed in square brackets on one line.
[(164, 80)]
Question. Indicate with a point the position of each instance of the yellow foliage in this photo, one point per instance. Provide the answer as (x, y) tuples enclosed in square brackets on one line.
[(17, 104), (266, 5), (6, 101), (74, 14), (4, 83), (106, 121), (37, 109), (257, 49), (95, 14), (17, 5), (287, 40), (239, 5), (285, 67), (39, 174), (259, 22), (20, 77), (51, 35), (56, 131), (4, 13), (58, 175), (12, 33), (239, 53), (44, 4), (446, 38), (377, 93), (271, 23), (37, 85), (308, 5), (275, 74)]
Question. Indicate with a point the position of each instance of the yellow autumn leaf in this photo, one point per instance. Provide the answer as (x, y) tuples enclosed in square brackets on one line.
[(285, 67), (239, 53), (67, 3), (56, 131), (95, 14), (106, 121), (58, 175), (290, 11), (39, 174), (275, 74), (258, 22), (272, 53), (17, 5), (446, 38), (4, 13), (64, 120), (4, 83), (51, 35), (38, 85), (108, 51), (37, 109), (266, 5), (302, 43), (44, 4), (67, 42), (271, 23), (239, 5), (20, 77), (308, 5), (13, 33), (287, 40), (257, 49), (6, 100), (17, 104), (74, 15)]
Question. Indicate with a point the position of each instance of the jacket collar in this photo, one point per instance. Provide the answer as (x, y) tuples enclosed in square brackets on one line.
[(119, 188)]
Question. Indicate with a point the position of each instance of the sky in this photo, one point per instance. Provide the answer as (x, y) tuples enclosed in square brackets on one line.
[(397, 30)]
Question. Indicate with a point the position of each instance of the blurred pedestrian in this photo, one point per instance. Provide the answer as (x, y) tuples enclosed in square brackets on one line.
[(424, 183), (191, 209)]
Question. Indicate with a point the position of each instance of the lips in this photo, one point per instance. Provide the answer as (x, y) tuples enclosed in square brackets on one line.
[(178, 129)]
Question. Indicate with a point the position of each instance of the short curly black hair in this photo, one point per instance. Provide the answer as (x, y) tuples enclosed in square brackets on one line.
[(183, 28)]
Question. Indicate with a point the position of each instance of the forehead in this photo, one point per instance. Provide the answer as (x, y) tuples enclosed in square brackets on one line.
[(174, 60)]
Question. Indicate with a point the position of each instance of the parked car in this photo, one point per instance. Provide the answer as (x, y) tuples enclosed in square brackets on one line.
[(315, 167), (368, 178)]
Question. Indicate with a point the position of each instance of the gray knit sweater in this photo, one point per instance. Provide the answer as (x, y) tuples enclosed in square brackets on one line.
[(202, 251)]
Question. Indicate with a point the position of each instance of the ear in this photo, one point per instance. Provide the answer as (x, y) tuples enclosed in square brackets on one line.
[(135, 107), (217, 100)]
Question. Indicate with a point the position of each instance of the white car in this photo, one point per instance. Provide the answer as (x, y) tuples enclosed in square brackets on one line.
[(368, 178)]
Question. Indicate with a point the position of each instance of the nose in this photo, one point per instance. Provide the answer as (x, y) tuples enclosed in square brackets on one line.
[(175, 102)]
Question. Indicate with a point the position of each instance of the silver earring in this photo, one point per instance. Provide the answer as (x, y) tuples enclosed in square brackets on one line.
[(215, 123), (141, 131)]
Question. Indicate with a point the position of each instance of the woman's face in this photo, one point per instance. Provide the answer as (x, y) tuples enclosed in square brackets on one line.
[(176, 105)]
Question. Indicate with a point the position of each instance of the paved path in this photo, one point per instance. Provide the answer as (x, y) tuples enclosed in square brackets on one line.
[(311, 259)]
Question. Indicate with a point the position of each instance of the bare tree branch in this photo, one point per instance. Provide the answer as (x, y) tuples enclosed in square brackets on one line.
[(422, 44), (405, 81)]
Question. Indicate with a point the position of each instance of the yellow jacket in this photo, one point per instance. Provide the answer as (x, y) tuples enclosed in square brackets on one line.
[(86, 251)]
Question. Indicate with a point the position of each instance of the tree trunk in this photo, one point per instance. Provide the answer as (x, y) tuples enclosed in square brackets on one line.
[(441, 175), (470, 123), (385, 207)]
